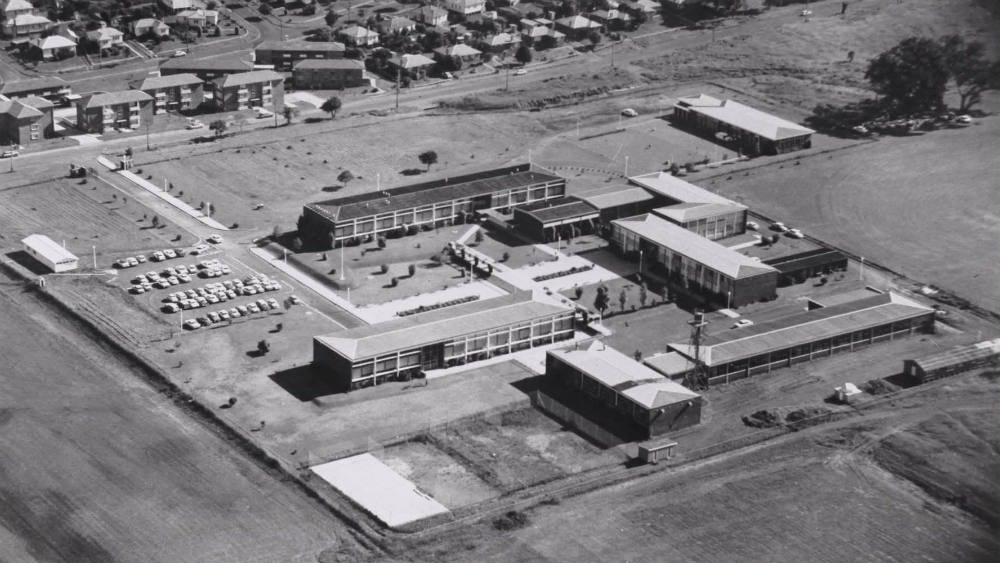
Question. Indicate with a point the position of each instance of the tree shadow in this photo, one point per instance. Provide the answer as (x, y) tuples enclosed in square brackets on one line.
[(306, 383), (255, 354)]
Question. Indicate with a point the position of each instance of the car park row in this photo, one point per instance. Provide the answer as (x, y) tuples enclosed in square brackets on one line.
[(217, 292), (175, 275), (260, 306)]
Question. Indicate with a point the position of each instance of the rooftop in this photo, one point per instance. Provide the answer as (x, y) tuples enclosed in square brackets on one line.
[(729, 345), (436, 326), (557, 210), (19, 109), (227, 64), (458, 50), (169, 81), (744, 117), (427, 193), (30, 19), (410, 61), (53, 42), (696, 247), (603, 199), (112, 98), (678, 190), (252, 77), (617, 371), (32, 84), (48, 248), (338, 64), (577, 22), (16, 5), (688, 212), (670, 364), (312, 46), (960, 355)]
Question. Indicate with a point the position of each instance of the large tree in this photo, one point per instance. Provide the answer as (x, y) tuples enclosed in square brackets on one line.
[(428, 158), (911, 77), (972, 73), (331, 105), (523, 54)]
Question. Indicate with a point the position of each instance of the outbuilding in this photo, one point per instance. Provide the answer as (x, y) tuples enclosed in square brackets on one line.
[(46, 251)]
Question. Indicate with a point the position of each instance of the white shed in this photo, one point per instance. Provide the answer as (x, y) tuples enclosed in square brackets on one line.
[(46, 251)]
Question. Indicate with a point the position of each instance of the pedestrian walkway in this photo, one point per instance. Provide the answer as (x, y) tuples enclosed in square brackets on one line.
[(162, 194)]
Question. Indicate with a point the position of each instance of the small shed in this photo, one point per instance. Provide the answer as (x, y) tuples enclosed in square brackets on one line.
[(953, 361), (46, 251)]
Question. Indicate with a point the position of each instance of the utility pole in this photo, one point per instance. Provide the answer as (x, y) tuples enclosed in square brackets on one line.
[(343, 243), (612, 54), (93, 249), (12, 157), (147, 134), (697, 379), (399, 72)]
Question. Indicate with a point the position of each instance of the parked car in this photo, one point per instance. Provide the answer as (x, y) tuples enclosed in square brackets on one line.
[(214, 239), (963, 119), (520, 72), (779, 226), (194, 124), (170, 253), (262, 113), (141, 258), (753, 226), (9, 154), (192, 324), (179, 53), (742, 323), (629, 112), (795, 233), (171, 308)]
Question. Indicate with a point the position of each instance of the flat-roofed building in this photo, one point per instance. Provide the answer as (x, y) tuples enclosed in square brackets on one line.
[(437, 202), (246, 90), (668, 250), (696, 209), (796, 268), (751, 130), (400, 349), (328, 74), (641, 396), (733, 354), (953, 361), (625, 201), (556, 219), (46, 251), (284, 54), (175, 92), (126, 109)]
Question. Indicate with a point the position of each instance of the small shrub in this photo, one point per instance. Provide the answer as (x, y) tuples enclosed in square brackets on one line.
[(511, 520), (412, 269), (384, 268), (505, 257)]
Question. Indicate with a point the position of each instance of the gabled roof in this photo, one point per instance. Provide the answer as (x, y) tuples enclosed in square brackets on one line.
[(677, 189), (112, 98), (147, 22), (48, 248), (577, 22), (357, 31), (329, 64), (603, 199), (31, 84), (399, 22), (105, 33), (458, 50), (18, 5), (169, 81), (408, 61), (696, 247), (960, 355), (311, 46), (723, 346), (252, 77), (18, 109), (432, 12), (687, 212), (53, 42), (36, 102), (501, 39), (30, 19), (744, 117)]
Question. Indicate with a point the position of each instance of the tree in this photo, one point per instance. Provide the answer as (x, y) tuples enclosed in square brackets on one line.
[(601, 300), (578, 292), (264, 9), (412, 269), (428, 158), (331, 18), (643, 295), (345, 177), (156, 221), (263, 347), (331, 105), (622, 299), (637, 355), (381, 241), (479, 235), (296, 244), (911, 77), (384, 268), (289, 113), (218, 126), (505, 256), (523, 54), (972, 74), (276, 233), (546, 42), (594, 37)]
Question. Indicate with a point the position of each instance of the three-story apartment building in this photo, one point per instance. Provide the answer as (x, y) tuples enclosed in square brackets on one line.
[(258, 88), (177, 92), (127, 109)]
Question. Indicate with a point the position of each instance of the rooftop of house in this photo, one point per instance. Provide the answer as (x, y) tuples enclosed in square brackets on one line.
[(113, 98), (31, 84), (310, 46), (169, 81)]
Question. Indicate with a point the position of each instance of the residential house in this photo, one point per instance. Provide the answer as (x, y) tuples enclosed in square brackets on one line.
[(126, 109), (53, 47), (176, 92), (258, 88), (465, 8), (537, 33), (614, 18), (150, 26), (414, 66), (461, 51), (106, 38), (25, 120), (359, 36), (63, 29), (577, 27), (26, 24), (50, 87), (174, 6), (205, 69), (200, 18), (328, 74), (15, 8), (432, 16), (284, 54), (644, 6), (397, 25), (499, 43)]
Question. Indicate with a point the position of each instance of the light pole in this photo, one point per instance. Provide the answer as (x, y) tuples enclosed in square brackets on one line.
[(342, 244), (285, 251), (861, 274), (93, 249), (729, 301), (12, 157), (147, 134), (626, 166)]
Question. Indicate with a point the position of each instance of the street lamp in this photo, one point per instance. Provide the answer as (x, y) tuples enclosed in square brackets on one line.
[(640, 261), (12, 156), (729, 301)]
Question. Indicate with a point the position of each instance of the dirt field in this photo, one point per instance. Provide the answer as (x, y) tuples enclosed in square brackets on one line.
[(437, 474), (99, 467), (816, 495)]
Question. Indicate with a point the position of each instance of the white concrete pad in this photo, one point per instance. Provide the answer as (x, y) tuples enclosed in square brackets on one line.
[(295, 97), (372, 484)]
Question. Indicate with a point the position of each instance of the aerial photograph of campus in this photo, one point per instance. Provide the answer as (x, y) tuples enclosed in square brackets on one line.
[(499, 281)]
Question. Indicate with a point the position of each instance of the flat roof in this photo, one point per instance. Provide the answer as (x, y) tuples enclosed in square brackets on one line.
[(48, 248), (604, 199), (558, 210), (805, 327), (392, 498), (679, 190), (687, 212), (423, 329), (846, 297), (960, 354), (696, 247), (169, 81), (428, 193), (670, 364), (227, 64), (311, 46), (814, 258), (744, 117), (329, 64), (616, 371)]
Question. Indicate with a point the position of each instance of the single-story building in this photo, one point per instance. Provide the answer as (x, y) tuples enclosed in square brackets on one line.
[(199, 17), (284, 54), (53, 47), (732, 354), (328, 74), (796, 268), (556, 219), (450, 336), (499, 42), (415, 66), (397, 25), (620, 202), (461, 51), (174, 92), (106, 38), (752, 131), (437, 202), (682, 257), (359, 36), (953, 361), (636, 393), (150, 26), (577, 27), (46, 251)]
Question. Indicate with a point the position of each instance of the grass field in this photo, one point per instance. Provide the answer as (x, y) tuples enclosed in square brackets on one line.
[(436, 473), (100, 467)]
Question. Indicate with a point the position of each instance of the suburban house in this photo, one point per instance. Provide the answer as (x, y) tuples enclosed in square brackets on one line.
[(25, 120), (200, 17), (175, 92), (53, 47), (465, 8), (26, 24), (284, 54), (15, 8), (258, 88), (537, 32), (610, 17), (500, 42), (50, 87), (414, 66), (107, 38), (359, 36), (577, 27), (461, 51), (150, 26), (432, 16), (174, 6), (751, 130), (126, 109), (205, 69), (397, 25), (328, 74)]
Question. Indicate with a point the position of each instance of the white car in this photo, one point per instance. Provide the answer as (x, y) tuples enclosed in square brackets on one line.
[(192, 324), (742, 323), (194, 124), (169, 253), (215, 239), (629, 112), (779, 226), (179, 54), (262, 113), (753, 226), (520, 72), (795, 233)]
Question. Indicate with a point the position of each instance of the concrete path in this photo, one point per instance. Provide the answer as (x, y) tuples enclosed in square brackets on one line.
[(153, 189), (596, 274), (382, 312)]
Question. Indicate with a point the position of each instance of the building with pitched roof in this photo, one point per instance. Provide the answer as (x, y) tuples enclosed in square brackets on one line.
[(26, 24), (400, 349), (461, 51), (696, 209), (953, 361), (359, 36), (670, 251), (438, 202), (284, 54), (576, 27), (257, 88), (619, 202), (150, 26), (432, 15), (556, 219), (205, 69), (25, 120), (750, 129), (465, 8), (639, 396), (53, 47), (416, 66), (174, 92), (50, 87), (126, 109), (328, 74), (46, 251), (106, 38), (397, 25)]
